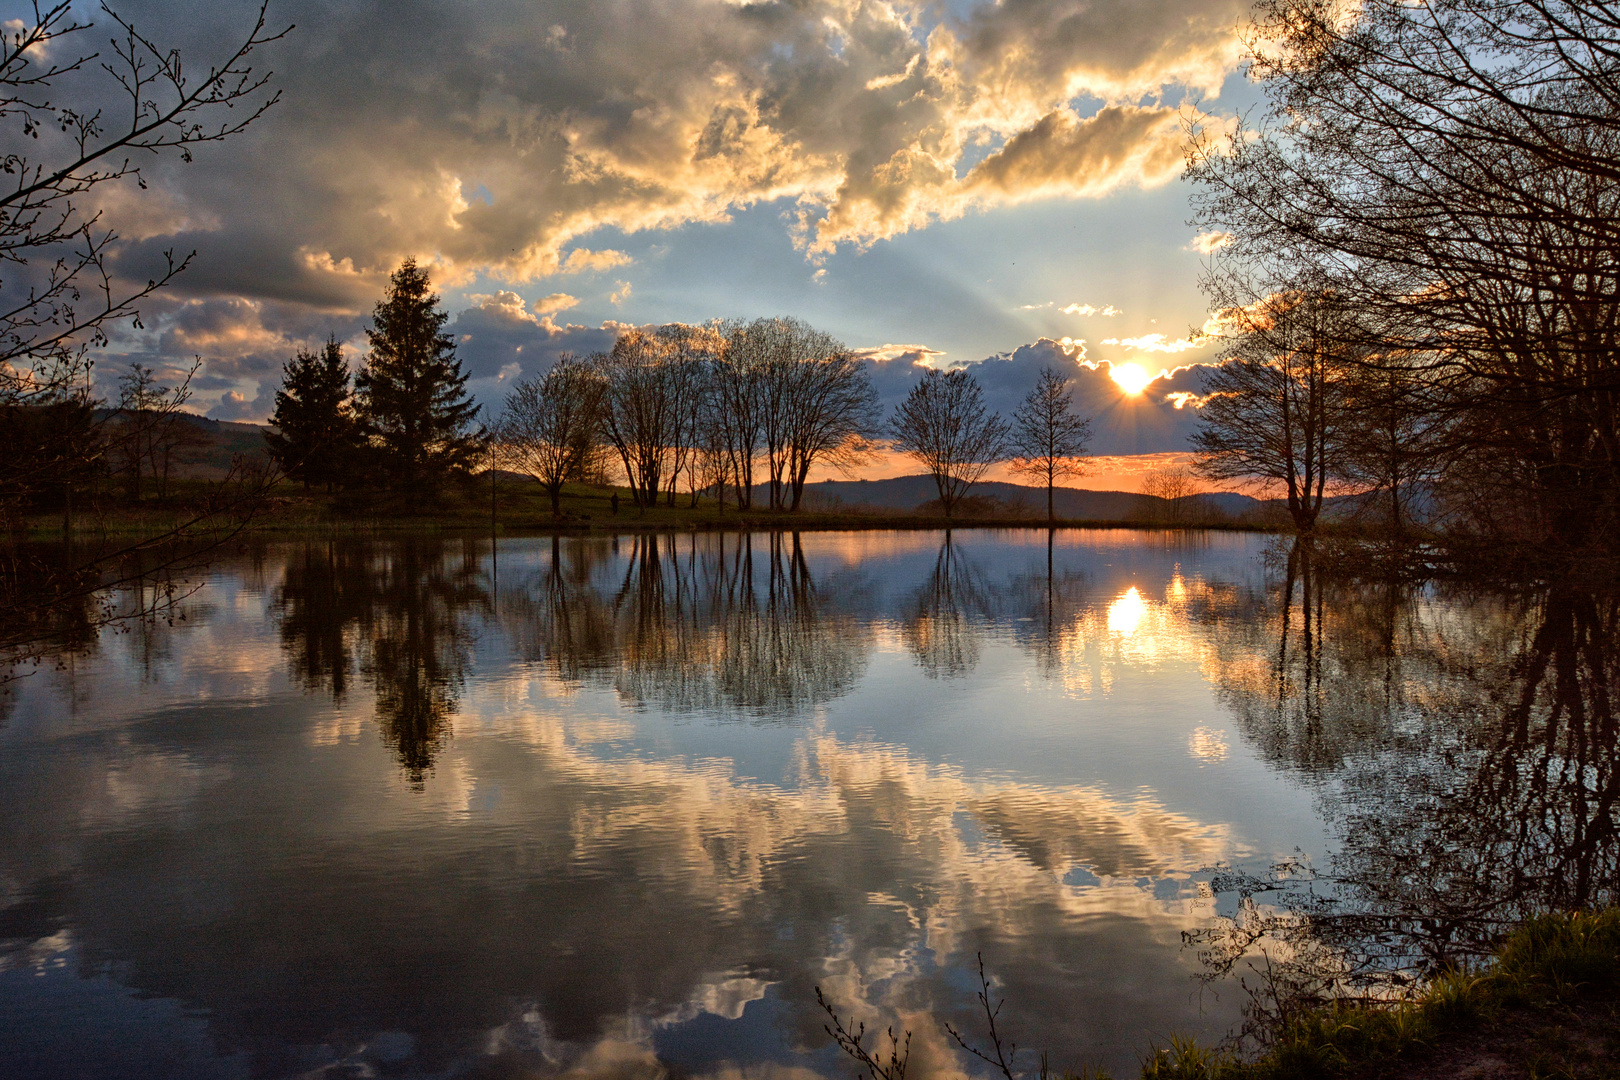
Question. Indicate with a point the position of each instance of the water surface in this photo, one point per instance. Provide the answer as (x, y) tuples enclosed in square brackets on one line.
[(616, 807)]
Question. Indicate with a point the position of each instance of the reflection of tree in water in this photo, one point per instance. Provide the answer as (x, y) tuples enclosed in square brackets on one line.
[(947, 614), (396, 613), (1047, 605), (1320, 667), (698, 622), (558, 616), (1466, 756), (78, 596)]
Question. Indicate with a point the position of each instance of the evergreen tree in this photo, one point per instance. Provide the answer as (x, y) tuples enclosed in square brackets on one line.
[(316, 433), (412, 391)]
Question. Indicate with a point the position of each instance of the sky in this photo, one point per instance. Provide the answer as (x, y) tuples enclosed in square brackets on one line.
[(938, 182)]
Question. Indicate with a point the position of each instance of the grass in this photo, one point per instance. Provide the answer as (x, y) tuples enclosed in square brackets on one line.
[(1546, 1006), (520, 507)]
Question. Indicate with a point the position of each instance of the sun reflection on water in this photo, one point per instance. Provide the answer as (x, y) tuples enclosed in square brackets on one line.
[(1125, 614), (1134, 630)]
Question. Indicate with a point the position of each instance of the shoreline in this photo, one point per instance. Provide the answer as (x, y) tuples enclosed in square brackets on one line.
[(1545, 1004)]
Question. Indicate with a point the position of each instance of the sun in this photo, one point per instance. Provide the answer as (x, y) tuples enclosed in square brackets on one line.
[(1132, 378)]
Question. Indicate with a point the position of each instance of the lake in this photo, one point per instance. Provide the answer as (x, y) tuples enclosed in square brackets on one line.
[(618, 806)]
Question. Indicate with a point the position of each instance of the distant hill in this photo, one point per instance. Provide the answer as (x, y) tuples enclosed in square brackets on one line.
[(907, 493), (211, 445)]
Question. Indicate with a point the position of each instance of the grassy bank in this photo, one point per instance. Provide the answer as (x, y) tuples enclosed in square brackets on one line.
[(1548, 1005), (517, 507)]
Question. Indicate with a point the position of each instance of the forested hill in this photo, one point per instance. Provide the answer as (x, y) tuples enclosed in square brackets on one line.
[(909, 492), (204, 448)]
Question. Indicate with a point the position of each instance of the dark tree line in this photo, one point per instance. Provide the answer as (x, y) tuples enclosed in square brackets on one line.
[(1420, 264), (723, 409)]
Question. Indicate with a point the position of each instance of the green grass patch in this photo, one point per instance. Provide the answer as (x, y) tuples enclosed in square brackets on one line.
[(1545, 968)]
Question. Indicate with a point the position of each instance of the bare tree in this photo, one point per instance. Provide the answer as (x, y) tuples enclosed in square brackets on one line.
[(1048, 438), (149, 426), (943, 423), (832, 409), (1396, 437), (77, 121), (639, 412), (736, 404), (61, 296), (549, 425), (1450, 169), (1169, 493), (691, 352), (803, 397), (1274, 411), (795, 395)]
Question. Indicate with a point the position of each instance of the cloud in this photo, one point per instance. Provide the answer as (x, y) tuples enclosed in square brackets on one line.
[(236, 406), (515, 307), (1159, 343), (620, 294), (1066, 154), (501, 330), (1182, 399), (911, 354), (1108, 311), (1207, 243), (580, 261), (1061, 154), (432, 130)]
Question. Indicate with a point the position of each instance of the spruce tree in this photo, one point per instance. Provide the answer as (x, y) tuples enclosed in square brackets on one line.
[(412, 391), (316, 434)]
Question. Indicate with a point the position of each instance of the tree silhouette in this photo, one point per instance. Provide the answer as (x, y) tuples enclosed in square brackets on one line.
[(1275, 411), (1047, 436), (412, 391), (549, 425), (1450, 170), (944, 424), (315, 434)]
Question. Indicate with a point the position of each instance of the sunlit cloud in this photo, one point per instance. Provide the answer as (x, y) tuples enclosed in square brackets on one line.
[(1107, 311), (581, 261), (915, 354), (1182, 399), (1160, 343), (1207, 243), (868, 118)]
